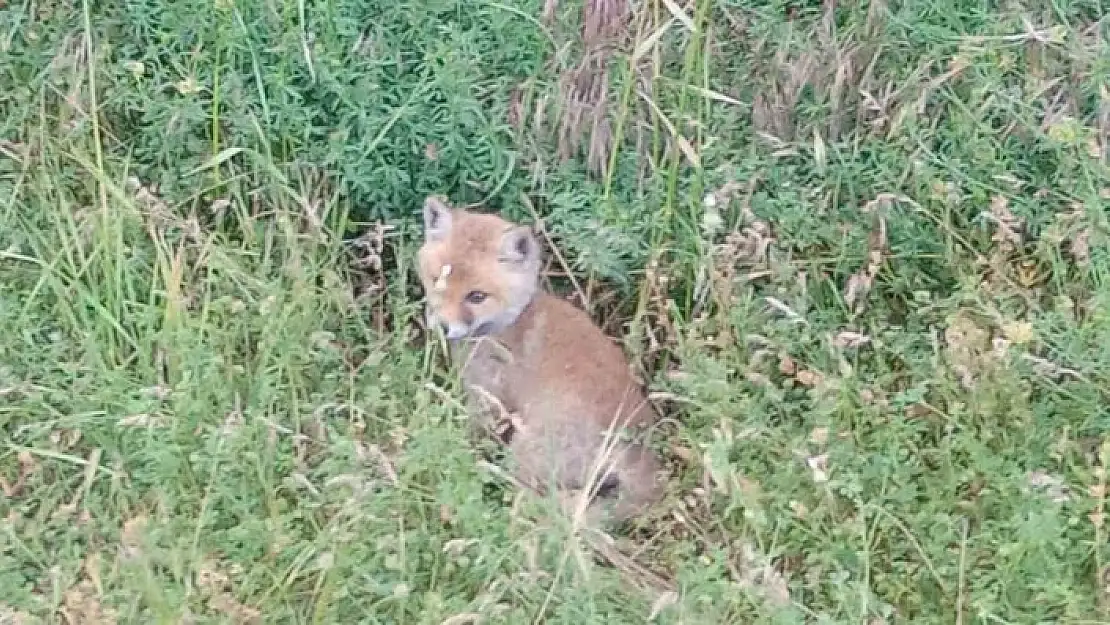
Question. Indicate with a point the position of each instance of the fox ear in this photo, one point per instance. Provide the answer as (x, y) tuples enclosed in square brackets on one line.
[(437, 218), (518, 246)]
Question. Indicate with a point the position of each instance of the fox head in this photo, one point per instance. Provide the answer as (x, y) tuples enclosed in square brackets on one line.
[(479, 272)]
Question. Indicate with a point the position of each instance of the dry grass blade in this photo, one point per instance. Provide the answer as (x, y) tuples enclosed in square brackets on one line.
[(1008, 232), (646, 580), (680, 14), (215, 580), (967, 347), (773, 106), (860, 283), (11, 616), (649, 43), (17, 152), (757, 573), (716, 96), (664, 601), (850, 340), (550, 8), (584, 104), (27, 467), (132, 535), (603, 20), (82, 606), (681, 142)]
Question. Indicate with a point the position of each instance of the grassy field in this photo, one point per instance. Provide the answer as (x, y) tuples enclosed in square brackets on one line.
[(859, 250)]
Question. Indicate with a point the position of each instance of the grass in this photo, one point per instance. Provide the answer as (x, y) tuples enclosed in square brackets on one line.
[(860, 253)]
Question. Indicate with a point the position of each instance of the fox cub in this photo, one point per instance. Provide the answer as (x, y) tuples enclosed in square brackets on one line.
[(536, 362)]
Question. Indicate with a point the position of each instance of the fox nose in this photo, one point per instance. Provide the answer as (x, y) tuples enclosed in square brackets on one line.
[(453, 331)]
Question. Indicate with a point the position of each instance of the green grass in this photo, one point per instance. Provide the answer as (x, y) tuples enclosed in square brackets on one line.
[(860, 251)]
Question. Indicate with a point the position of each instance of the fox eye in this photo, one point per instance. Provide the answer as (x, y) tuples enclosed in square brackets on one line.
[(476, 297)]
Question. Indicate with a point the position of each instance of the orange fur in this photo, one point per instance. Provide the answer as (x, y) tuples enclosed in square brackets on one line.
[(538, 358)]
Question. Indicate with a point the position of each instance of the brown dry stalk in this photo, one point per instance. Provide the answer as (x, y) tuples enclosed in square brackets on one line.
[(584, 96), (550, 7), (603, 20), (584, 88), (859, 284)]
